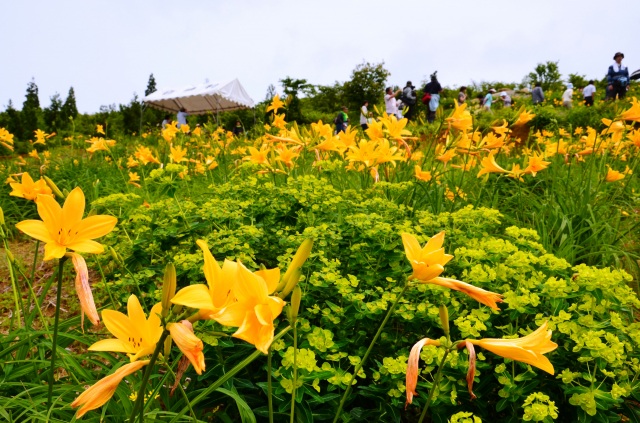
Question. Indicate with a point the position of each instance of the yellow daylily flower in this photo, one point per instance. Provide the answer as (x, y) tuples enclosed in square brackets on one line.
[(28, 189), (102, 391), (135, 334), (190, 345), (255, 310), (64, 227), (276, 104), (633, 113), (613, 175), (428, 261), (535, 165), (524, 117), (178, 154), (258, 156), (461, 119), (529, 349), (422, 175), (100, 129), (489, 165), (134, 178), (220, 291)]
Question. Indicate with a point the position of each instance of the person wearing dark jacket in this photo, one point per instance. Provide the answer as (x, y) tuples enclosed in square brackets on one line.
[(434, 88), (617, 78), (409, 99)]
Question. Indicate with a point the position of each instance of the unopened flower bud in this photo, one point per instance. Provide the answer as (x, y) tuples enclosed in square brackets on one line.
[(296, 263), (115, 255), (296, 298), (53, 187), (291, 283), (168, 288), (444, 318), (10, 256), (168, 341), (1, 217)]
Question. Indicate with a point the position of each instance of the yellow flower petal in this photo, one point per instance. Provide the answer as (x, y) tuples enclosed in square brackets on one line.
[(194, 296), (35, 229)]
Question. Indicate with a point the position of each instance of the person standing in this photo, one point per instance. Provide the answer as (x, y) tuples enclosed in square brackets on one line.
[(342, 120), (364, 112), (182, 117), (587, 93), (434, 89), (462, 95), (409, 99), (488, 100), (567, 96), (617, 78), (390, 102), (537, 95)]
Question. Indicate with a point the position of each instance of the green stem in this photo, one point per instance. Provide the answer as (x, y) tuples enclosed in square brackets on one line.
[(139, 404), (14, 288), (218, 383), (366, 355), (436, 382), (295, 374), (269, 386), (54, 341)]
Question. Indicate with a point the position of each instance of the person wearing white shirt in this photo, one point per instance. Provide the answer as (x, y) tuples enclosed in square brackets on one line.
[(182, 117), (587, 93), (363, 116), (567, 96), (390, 102)]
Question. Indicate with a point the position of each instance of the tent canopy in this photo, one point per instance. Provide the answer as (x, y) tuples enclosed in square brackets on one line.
[(635, 75), (200, 99)]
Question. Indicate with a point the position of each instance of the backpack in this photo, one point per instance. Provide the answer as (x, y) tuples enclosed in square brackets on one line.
[(406, 100)]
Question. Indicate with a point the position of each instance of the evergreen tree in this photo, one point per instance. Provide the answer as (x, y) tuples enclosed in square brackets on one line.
[(10, 120), (53, 115), (151, 86), (30, 111), (69, 108), (291, 88), (131, 115)]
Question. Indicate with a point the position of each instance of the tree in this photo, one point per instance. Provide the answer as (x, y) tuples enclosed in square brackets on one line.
[(151, 86), (10, 120), (53, 115), (547, 74), (578, 81), (271, 92), (69, 108), (131, 115), (291, 88), (30, 111), (366, 83)]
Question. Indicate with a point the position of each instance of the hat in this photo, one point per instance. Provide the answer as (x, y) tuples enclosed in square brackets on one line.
[(409, 83), (618, 54), (569, 85), (491, 90)]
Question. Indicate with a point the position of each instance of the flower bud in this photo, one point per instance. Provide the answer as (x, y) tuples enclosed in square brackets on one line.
[(10, 256), (115, 255), (168, 288), (2, 223), (168, 341), (53, 187), (296, 263), (291, 283), (296, 298), (444, 318)]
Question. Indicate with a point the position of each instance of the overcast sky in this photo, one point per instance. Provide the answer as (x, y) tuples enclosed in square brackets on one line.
[(107, 49)]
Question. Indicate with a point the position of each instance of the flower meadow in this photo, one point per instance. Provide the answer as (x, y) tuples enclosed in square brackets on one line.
[(479, 268)]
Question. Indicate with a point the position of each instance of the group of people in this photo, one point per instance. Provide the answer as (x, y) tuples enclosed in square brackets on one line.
[(402, 102)]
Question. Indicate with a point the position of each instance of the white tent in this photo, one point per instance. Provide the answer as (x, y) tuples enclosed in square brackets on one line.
[(200, 99)]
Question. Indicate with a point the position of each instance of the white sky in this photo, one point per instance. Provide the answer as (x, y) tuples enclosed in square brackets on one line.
[(107, 49)]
